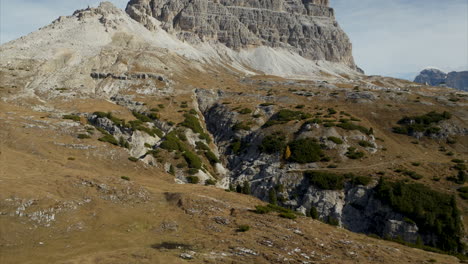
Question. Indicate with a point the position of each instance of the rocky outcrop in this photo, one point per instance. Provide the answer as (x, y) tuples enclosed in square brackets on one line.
[(355, 207), (306, 27), (435, 77), (457, 80)]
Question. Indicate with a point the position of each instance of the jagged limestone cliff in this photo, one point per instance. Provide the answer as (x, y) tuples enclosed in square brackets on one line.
[(308, 28)]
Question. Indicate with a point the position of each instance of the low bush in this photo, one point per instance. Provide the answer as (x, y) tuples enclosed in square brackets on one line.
[(109, 139), (243, 228), (126, 178), (271, 144), (313, 213), (142, 117), (211, 157), (354, 154), (193, 179), (305, 151), (171, 142), (360, 180), (192, 159), (83, 136), (325, 180), (285, 115), (432, 211), (366, 144), (412, 174), (351, 126), (245, 111), (463, 192), (332, 221), (210, 182), (241, 126), (72, 117), (336, 140), (422, 124), (191, 121), (288, 215)]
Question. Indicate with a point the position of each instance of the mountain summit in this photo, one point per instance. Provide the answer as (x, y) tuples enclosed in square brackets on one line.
[(436, 77), (308, 27)]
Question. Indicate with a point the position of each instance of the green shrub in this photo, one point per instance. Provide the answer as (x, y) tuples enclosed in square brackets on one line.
[(243, 228), (463, 192), (123, 143), (288, 215), (366, 144), (272, 196), (412, 174), (142, 117), (246, 188), (354, 154), (210, 182), (300, 106), (361, 180), (433, 212), (461, 178), (332, 221), (336, 140), (201, 146), (260, 209), (83, 136), (351, 126), (245, 111), (331, 111), (133, 159), (285, 115), (236, 146), (191, 121), (325, 180), (126, 178), (193, 179), (241, 126), (266, 104), (172, 170), (211, 157), (313, 213), (171, 143), (109, 139), (192, 171), (271, 144), (192, 159), (460, 167), (422, 124), (305, 151), (72, 117)]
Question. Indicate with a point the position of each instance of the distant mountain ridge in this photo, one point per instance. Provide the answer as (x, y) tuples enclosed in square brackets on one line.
[(436, 77)]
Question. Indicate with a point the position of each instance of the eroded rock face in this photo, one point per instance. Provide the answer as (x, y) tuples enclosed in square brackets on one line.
[(306, 27)]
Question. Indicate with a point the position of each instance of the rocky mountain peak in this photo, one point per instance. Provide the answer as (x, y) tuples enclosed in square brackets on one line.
[(436, 77), (306, 27)]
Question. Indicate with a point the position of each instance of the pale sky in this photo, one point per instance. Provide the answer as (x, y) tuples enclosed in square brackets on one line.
[(390, 37)]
